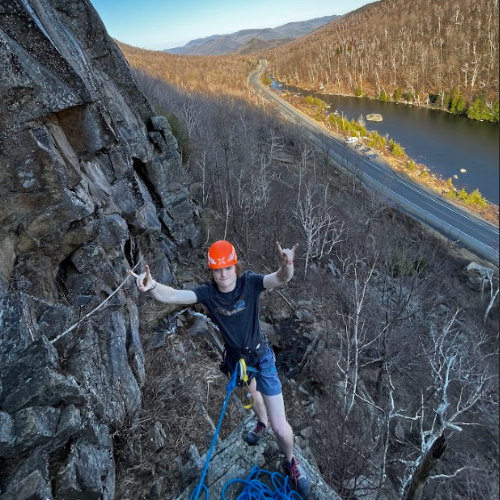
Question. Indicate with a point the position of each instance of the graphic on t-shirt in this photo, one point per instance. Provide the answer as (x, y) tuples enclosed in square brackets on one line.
[(238, 307)]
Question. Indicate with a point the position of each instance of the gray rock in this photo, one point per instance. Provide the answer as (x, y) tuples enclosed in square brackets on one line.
[(6, 432), (33, 487), (83, 181), (475, 269), (89, 474), (33, 380), (234, 459), (307, 433), (480, 277), (159, 436), (36, 462), (189, 466), (375, 117), (34, 427)]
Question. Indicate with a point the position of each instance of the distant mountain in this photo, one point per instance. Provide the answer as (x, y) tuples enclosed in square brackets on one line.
[(248, 41), (256, 45)]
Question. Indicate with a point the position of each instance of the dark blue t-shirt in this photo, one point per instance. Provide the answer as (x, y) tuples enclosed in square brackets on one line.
[(235, 313)]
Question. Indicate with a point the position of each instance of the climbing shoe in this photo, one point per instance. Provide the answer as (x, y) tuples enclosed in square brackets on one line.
[(298, 477), (254, 436)]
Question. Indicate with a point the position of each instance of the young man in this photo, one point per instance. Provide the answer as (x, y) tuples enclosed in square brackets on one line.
[(232, 299)]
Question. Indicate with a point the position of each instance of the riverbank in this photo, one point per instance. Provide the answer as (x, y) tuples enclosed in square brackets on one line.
[(403, 165), (417, 104)]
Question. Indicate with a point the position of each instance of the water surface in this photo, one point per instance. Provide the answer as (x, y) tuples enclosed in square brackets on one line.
[(445, 143)]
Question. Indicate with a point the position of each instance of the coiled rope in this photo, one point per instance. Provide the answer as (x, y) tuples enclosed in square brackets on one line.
[(253, 489)]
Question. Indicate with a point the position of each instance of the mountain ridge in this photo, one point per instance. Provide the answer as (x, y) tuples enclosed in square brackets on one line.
[(238, 41)]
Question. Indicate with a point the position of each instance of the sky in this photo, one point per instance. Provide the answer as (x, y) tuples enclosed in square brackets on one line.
[(165, 24)]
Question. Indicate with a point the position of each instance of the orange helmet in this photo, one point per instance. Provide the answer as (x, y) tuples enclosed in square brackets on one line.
[(222, 254)]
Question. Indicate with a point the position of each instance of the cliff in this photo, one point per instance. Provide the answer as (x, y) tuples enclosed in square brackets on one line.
[(90, 182)]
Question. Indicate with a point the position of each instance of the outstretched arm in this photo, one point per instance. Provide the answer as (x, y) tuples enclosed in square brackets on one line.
[(163, 293), (285, 273)]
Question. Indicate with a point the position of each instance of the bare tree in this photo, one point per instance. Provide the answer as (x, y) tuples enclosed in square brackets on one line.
[(319, 225), (493, 296), (191, 115), (460, 379), (355, 334)]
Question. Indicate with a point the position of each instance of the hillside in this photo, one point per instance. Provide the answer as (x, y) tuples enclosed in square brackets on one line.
[(207, 74), (442, 54), (256, 45), (238, 42)]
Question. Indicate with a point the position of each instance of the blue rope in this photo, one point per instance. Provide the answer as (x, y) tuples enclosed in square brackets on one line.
[(230, 388), (253, 488)]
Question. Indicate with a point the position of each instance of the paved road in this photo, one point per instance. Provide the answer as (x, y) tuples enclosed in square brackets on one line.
[(456, 224)]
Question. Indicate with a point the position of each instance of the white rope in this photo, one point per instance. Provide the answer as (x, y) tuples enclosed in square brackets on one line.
[(87, 316)]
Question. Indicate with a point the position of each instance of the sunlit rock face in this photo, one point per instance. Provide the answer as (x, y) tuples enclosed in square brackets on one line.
[(90, 179)]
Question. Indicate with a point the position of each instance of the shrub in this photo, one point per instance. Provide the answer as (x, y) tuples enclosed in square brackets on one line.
[(406, 267), (317, 102), (396, 149), (476, 198), (408, 96), (463, 195)]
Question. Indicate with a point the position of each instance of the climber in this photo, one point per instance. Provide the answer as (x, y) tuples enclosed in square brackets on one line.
[(232, 300)]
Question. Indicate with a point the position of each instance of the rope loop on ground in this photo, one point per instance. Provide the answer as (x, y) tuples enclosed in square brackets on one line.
[(254, 489)]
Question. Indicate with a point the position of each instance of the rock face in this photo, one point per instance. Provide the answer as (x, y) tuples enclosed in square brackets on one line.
[(90, 180)]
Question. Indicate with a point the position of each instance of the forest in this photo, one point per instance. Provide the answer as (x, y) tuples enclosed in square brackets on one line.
[(209, 75), (422, 52)]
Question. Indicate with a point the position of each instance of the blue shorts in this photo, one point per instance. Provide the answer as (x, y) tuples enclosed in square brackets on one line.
[(268, 382)]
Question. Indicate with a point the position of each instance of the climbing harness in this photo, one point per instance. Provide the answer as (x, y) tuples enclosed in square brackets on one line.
[(253, 488), (243, 379), (230, 365)]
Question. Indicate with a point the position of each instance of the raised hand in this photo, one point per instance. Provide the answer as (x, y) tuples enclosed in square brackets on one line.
[(287, 255), (144, 281)]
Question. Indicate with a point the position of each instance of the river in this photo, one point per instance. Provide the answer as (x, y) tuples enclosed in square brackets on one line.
[(444, 143)]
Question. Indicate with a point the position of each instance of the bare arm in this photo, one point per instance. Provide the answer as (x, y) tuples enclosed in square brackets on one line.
[(285, 273), (163, 293)]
